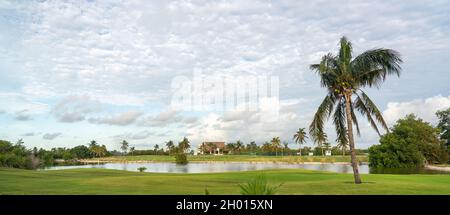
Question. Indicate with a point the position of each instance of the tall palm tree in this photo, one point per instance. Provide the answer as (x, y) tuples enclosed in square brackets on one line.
[(344, 77), (300, 138), (327, 146), (286, 147), (170, 146), (211, 147), (184, 145), (132, 150), (238, 146), (156, 147), (92, 143), (276, 143), (124, 146), (320, 138), (231, 147)]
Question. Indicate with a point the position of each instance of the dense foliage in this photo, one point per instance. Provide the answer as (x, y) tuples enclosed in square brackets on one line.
[(411, 143), (18, 156), (15, 155), (181, 158), (444, 125)]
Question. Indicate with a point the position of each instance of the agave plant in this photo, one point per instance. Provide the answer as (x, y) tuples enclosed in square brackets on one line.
[(258, 186)]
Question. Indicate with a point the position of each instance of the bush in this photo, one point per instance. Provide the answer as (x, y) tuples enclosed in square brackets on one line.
[(181, 158), (258, 186), (15, 155), (395, 152), (142, 169), (411, 143)]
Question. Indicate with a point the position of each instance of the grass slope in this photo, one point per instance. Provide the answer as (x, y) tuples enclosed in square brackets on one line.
[(102, 181), (233, 158)]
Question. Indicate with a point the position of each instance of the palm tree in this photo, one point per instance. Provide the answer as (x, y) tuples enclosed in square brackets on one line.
[(276, 143), (184, 145), (327, 146), (238, 146), (99, 151), (170, 145), (344, 77), (202, 148), (92, 143), (124, 146), (286, 147), (300, 138), (320, 138), (211, 147), (132, 150), (156, 147), (252, 147), (231, 147)]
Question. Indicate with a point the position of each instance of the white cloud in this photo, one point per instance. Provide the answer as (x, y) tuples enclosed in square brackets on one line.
[(75, 108), (423, 108), (51, 136), (22, 115), (134, 136), (125, 118)]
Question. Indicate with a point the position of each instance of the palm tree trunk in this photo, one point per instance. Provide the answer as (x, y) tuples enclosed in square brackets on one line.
[(300, 149), (351, 142)]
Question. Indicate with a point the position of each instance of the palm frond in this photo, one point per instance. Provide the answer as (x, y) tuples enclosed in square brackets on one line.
[(339, 121), (371, 67), (323, 112), (370, 105), (361, 107)]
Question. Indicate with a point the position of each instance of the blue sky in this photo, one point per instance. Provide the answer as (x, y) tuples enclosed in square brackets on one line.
[(72, 71)]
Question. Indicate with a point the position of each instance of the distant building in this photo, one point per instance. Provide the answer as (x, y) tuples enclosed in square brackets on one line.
[(217, 148)]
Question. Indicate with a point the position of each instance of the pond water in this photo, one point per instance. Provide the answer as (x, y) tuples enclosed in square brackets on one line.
[(200, 167)]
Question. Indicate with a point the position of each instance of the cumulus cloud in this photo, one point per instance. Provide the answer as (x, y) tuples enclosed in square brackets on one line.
[(30, 134), (423, 108), (135, 136), (75, 108), (125, 118), (22, 115), (166, 117), (51, 136)]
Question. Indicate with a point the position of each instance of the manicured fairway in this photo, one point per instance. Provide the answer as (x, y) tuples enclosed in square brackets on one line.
[(103, 181), (233, 158)]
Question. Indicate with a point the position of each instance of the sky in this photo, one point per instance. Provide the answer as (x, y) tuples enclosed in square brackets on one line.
[(74, 71)]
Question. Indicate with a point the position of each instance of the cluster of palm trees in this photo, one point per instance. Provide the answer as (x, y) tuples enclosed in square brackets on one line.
[(344, 77), (183, 146), (97, 150), (320, 138)]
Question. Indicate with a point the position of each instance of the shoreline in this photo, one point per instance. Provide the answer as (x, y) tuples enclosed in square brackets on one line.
[(438, 168), (256, 162)]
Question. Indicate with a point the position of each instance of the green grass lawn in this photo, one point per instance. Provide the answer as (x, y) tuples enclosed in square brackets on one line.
[(233, 158), (103, 181)]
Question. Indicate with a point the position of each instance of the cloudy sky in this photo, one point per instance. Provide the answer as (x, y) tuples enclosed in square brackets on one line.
[(73, 71)]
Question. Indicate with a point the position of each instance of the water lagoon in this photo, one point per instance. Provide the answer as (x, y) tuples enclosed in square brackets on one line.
[(216, 167)]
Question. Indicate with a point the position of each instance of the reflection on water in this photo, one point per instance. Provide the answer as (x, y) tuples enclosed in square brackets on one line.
[(231, 167)]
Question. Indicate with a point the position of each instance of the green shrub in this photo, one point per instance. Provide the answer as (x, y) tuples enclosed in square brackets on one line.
[(395, 152), (411, 143), (258, 186), (15, 155), (142, 169), (181, 158)]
